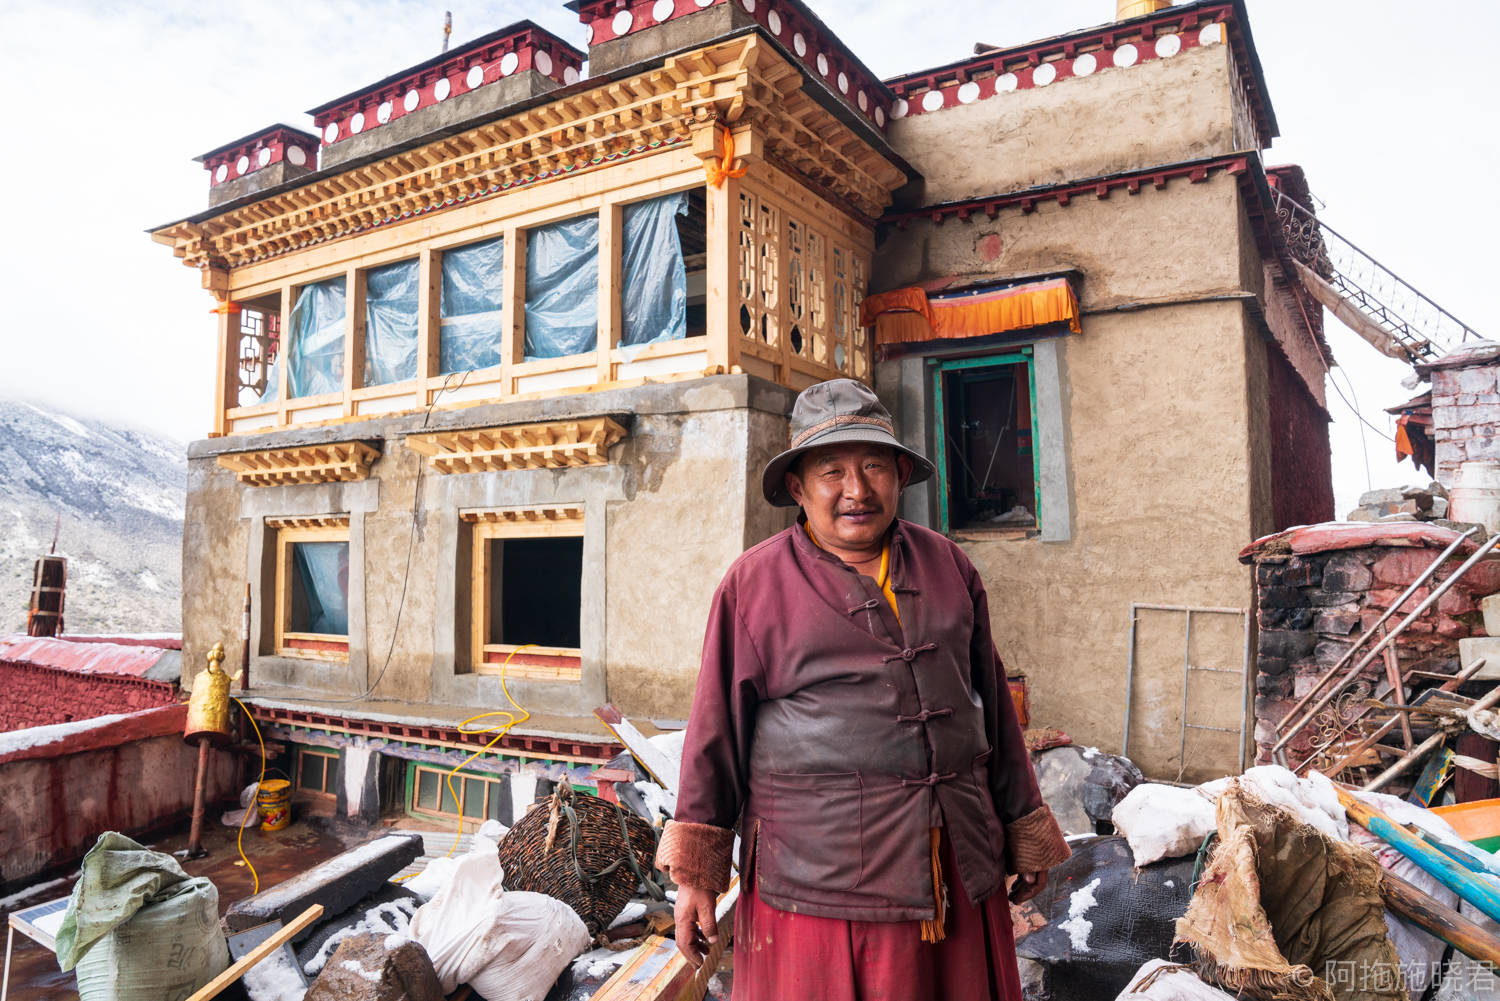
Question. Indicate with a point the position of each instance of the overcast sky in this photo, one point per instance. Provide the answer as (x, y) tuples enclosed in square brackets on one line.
[(1389, 106)]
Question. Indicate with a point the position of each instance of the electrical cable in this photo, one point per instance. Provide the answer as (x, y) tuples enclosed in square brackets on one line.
[(239, 841), (411, 543), (513, 721)]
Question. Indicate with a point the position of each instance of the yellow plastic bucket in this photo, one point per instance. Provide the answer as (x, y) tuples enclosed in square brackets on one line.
[(274, 800)]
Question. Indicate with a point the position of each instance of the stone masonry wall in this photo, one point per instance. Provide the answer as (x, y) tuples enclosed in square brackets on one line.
[(40, 696), (1465, 417), (1313, 606)]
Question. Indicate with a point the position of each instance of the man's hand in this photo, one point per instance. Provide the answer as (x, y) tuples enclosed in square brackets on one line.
[(697, 928), (1026, 886)]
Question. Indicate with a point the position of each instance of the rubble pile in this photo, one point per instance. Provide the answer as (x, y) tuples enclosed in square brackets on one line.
[(1410, 503)]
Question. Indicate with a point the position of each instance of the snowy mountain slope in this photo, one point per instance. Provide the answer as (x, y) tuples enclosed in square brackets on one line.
[(120, 495)]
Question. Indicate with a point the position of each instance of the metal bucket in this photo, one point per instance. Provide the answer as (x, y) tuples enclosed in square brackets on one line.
[(274, 800)]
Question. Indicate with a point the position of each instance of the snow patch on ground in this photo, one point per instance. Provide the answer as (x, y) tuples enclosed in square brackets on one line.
[(598, 962), (1077, 926), (9, 903), (390, 918), (275, 978), (40, 736)]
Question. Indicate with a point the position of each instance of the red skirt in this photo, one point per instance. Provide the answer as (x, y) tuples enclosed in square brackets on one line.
[(781, 956)]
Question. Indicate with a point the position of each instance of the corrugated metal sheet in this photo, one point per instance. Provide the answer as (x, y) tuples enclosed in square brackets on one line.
[(62, 654)]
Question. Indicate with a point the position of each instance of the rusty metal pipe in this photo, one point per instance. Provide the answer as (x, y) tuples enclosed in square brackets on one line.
[(1451, 685), (1416, 584)]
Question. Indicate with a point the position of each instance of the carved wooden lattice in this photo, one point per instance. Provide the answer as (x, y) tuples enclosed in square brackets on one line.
[(799, 288)]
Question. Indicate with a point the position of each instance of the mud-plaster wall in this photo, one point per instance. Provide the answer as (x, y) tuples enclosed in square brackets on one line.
[(1163, 447), (1162, 111), (53, 809), (663, 520)]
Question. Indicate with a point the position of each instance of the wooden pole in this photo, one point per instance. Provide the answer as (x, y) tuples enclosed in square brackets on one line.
[(1479, 892), (1431, 915), (195, 847), (260, 952)]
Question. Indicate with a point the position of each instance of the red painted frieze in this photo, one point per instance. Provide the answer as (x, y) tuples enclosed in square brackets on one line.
[(280, 143)]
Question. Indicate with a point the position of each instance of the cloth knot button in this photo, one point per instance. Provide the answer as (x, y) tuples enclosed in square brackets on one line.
[(908, 654), (924, 716), (865, 606), (930, 780)]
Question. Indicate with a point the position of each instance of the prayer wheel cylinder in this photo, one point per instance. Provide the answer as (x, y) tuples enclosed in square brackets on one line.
[(1126, 9), (208, 708)]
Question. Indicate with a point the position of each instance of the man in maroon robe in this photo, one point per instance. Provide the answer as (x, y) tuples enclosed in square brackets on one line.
[(852, 721)]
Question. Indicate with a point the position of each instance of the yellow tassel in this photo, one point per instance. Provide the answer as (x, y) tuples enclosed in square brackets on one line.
[(932, 931)]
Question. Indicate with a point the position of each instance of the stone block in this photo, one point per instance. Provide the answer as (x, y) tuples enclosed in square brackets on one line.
[(1354, 564), (1486, 446), (1361, 514), (1399, 516), (1272, 665), (1453, 629), (1374, 498), (1480, 379), (1482, 578), (1439, 508), (1336, 623), (1401, 567), (336, 884), (1279, 686), (1383, 598), (1061, 774), (1285, 618), (1330, 652), (1490, 606), (1285, 643), (364, 969), (1295, 572), (1282, 597), (1326, 599), (1476, 647), (1112, 777), (1448, 417), (1456, 601), (1444, 401)]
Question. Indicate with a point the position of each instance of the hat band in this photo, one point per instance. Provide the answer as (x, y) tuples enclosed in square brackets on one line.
[(842, 419)]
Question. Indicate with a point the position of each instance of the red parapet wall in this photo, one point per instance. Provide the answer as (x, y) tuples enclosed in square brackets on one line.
[(64, 786), (31, 695)]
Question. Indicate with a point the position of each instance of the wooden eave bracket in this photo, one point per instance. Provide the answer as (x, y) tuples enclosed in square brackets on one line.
[(555, 445), (523, 515), (339, 462), (309, 521)]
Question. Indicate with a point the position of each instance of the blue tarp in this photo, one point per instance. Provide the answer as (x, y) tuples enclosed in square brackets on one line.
[(391, 323), (653, 304), (473, 284), (316, 351), (323, 571), (562, 288)]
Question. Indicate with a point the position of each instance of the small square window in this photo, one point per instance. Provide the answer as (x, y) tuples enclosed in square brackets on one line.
[(317, 771), (987, 461)]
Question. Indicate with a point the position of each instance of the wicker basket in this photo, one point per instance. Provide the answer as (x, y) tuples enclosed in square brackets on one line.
[(580, 849)]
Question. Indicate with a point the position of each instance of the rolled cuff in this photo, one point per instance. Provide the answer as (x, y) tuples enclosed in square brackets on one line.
[(1034, 843), (696, 855)]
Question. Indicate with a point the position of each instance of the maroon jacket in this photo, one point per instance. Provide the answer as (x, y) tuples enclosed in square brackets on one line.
[(837, 736)]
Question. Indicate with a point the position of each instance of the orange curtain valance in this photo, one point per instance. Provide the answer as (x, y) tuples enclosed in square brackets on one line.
[(907, 315)]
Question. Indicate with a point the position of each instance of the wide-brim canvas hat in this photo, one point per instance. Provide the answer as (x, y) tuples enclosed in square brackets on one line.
[(836, 412)]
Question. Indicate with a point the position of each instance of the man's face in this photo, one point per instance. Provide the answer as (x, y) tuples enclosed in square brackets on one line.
[(849, 494)]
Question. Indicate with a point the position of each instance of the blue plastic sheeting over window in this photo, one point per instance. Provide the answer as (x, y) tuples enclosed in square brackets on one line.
[(653, 304), (391, 323), (316, 354), (473, 284), (562, 288), (323, 575)]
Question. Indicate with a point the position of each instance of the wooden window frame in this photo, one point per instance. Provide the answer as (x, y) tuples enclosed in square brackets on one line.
[(311, 646), (327, 754), (940, 367), (413, 782), (525, 661)]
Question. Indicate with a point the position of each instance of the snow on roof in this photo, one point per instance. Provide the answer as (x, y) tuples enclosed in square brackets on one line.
[(104, 655)]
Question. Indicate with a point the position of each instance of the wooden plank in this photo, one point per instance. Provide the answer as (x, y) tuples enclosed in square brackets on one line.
[(661, 768), (276, 941), (429, 322), (611, 290), (513, 308), (480, 598), (721, 278), (354, 336), (284, 358)]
